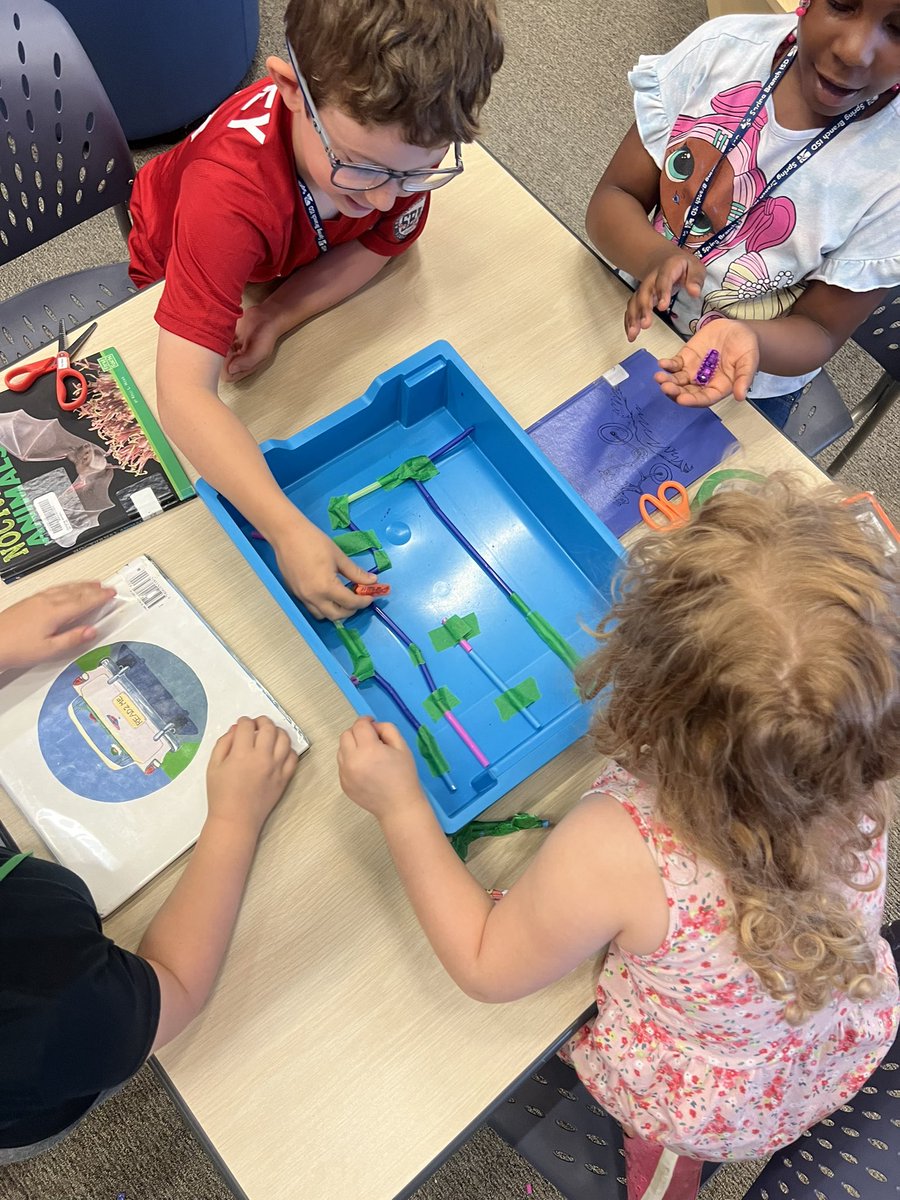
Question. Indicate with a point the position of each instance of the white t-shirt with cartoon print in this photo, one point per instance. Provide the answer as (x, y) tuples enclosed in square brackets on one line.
[(836, 218)]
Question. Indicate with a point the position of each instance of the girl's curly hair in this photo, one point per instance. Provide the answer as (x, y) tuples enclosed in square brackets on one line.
[(752, 661)]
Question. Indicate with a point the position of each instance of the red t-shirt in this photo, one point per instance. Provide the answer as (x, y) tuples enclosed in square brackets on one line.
[(223, 209)]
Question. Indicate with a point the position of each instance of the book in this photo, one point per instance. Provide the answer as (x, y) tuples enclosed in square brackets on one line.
[(622, 436), (68, 479), (106, 755)]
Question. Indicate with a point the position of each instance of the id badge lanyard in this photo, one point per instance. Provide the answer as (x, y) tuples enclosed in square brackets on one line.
[(12, 863), (312, 213), (811, 148)]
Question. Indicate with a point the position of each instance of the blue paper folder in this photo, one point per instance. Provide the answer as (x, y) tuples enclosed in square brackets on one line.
[(622, 436)]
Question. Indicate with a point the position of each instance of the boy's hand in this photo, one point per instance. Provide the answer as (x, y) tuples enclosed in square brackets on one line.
[(249, 768), (255, 336), (738, 348), (54, 622), (377, 770), (310, 563), (669, 270)]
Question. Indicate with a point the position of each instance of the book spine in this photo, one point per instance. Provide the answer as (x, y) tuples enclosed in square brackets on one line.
[(111, 361)]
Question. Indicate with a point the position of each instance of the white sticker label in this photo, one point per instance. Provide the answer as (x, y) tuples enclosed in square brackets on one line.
[(146, 503), (615, 375), (51, 514)]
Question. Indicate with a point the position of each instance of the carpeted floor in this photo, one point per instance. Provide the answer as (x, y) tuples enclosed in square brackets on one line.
[(559, 108)]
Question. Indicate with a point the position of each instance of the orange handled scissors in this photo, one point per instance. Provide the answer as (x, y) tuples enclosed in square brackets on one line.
[(20, 379), (674, 510)]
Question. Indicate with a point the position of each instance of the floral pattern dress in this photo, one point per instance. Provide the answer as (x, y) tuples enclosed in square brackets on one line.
[(688, 1048)]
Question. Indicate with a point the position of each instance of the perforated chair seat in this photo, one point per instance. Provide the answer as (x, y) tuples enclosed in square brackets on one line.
[(31, 319), (63, 159), (554, 1122), (819, 417)]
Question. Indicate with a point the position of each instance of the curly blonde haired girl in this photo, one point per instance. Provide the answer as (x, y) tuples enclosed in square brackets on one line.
[(731, 858)]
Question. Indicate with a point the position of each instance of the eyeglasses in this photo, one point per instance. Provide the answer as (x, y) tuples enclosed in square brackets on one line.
[(365, 177)]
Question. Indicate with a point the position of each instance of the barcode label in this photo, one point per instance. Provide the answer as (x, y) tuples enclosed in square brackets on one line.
[(52, 517), (146, 503), (144, 587)]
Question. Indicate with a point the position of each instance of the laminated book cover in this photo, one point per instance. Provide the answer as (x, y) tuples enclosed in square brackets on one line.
[(106, 755), (622, 436), (68, 479)]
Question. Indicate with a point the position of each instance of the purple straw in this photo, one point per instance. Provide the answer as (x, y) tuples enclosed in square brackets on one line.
[(463, 541), (460, 437)]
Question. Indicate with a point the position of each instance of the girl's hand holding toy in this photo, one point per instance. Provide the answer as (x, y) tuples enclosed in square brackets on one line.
[(737, 347)]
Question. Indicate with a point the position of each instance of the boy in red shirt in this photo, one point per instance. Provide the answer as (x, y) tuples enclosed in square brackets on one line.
[(319, 174)]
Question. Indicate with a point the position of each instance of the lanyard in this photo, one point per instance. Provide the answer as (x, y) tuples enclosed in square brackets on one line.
[(313, 213), (812, 147), (12, 863)]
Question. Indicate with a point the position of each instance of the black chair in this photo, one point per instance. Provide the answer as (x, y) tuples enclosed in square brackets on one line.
[(879, 336), (63, 159)]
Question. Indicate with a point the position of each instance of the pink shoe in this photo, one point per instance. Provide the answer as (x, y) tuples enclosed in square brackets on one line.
[(654, 1173)]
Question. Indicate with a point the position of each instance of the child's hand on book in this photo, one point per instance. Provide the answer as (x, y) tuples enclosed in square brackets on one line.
[(311, 564), (377, 770), (52, 623), (672, 268), (738, 348), (249, 768)]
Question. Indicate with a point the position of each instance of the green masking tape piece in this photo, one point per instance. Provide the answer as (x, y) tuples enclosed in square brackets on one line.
[(356, 541), (416, 654), (431, 751), (420, 467), (553, 638), (516, 698), (440, 701), (453, 630), (382, 562), (360, 658), (520, 604), (463, 838), (717, 478), (339, 512)]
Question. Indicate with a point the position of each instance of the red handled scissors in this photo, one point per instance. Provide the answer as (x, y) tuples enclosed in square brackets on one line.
[(20, 379), (674, 510)]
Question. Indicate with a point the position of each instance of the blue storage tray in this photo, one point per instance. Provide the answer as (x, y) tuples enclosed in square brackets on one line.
[(513, 507)]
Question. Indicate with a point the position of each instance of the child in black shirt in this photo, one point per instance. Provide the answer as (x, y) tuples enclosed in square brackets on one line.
[(78, 1014)]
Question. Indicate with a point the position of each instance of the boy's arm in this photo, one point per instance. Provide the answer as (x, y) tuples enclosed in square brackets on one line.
[(310, 290), (222, 450), (617, 224), (185, 943), (822, 319)]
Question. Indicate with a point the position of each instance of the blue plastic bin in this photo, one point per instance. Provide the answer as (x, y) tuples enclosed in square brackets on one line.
[(518, 513)]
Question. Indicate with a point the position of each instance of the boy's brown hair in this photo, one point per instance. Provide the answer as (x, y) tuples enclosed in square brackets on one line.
[(425, 65)]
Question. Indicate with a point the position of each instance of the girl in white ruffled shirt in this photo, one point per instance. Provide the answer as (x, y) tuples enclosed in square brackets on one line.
[(765, 150)]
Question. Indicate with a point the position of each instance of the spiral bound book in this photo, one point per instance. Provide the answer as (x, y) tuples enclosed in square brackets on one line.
[(106, 755)]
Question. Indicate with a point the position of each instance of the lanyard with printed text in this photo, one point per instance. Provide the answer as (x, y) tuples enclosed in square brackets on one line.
[(812, 147), (313, 213)]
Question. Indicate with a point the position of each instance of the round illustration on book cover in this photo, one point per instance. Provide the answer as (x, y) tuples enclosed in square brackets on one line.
[(122, 721)]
